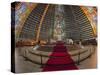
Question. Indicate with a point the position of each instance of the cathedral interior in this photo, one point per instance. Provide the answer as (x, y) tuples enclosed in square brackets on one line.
[(53, 37)]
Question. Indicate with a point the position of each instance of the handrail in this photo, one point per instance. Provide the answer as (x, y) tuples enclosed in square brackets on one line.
[(78, 55)]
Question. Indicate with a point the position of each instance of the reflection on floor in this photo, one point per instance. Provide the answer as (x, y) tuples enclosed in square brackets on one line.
[(61, 59), (28, 60)]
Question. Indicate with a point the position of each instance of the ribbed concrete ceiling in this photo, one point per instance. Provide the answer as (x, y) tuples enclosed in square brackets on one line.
[(77, 25)]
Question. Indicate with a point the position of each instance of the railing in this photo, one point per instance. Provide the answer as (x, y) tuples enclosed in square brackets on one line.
[(83, 55), (41, 57)]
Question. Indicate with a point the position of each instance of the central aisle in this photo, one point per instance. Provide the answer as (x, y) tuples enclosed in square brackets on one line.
[(60, 59)]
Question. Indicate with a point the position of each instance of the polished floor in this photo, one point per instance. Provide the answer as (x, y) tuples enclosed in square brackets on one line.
[(25, 65)]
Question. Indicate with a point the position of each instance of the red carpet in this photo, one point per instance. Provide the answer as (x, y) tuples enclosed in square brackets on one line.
[(61, 61)]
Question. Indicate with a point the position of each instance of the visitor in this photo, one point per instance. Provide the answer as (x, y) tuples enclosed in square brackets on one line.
[(37, 46)]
